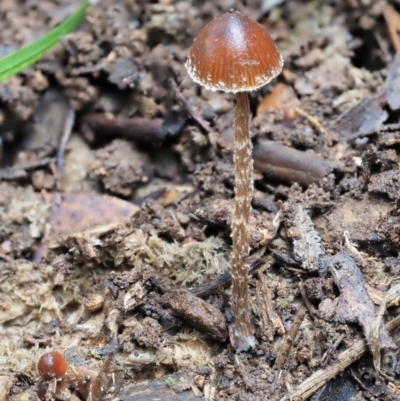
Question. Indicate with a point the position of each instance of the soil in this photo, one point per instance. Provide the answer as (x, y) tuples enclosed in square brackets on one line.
[(116, 200)]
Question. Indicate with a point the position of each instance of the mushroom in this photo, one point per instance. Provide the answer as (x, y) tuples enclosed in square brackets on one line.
[(52, 365), (235, 54)]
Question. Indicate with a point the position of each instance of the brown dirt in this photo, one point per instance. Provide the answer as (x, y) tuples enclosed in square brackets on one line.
[(116, 197)]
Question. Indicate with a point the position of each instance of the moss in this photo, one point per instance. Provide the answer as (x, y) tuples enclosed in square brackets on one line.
[(170, 382), (175, 264), (283, 303), (24, 202)]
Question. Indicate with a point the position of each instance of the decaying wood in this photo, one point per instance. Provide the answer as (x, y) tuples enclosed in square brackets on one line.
[(267, 329), (20, 171), (392, 296), (355, 305), (346, 358), (108, 381), (290, 165), (309, 305), (288, 341), (369, 115), (307, 246), (267, 307), (68, 125), (206, 289), (140, 129), (393, 23), (366, 116), (198, 314), (175, 387)]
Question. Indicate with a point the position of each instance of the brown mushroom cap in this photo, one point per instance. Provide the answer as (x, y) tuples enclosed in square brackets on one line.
[(233, 53)]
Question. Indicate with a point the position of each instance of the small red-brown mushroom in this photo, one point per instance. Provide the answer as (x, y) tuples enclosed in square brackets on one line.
[(235, 54), (54, 368), (52, 365)]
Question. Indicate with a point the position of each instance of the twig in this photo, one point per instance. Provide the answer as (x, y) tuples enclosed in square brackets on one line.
[(310, 306), (289, 339), (346, 358), (18, 172), (139, 129), (35, 340), (264, 316), (225, 280), (69, 123), (190, 109), (332, 347), (316, 124), (358, 380), (266, 302), (290, 165), (392, 19)]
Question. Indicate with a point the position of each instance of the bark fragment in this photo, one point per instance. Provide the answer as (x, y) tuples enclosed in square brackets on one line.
[(199, 314)]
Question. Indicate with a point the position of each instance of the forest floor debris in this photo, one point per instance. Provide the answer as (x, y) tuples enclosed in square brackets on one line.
[(116, 188)]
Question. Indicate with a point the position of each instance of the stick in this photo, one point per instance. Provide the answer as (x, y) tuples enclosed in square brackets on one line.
[(346, 358), (265, 296)]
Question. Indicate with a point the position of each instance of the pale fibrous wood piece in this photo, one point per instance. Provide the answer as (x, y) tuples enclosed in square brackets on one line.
[(264, 295), (318, 379), (287, 344)]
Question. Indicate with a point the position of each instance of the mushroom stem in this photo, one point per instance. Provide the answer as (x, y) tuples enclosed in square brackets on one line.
[(243, 329)]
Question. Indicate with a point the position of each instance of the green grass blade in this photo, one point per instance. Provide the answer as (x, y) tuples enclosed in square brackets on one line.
[(28, 55)]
